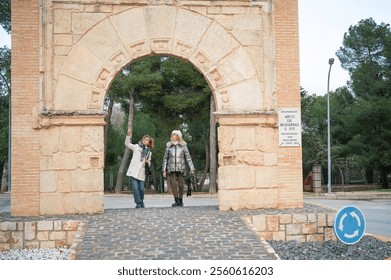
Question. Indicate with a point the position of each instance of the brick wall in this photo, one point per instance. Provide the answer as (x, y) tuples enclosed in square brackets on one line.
[(25, 99), (286, 28)]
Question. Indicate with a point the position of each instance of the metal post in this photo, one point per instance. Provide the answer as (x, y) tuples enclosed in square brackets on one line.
[(331, 62)]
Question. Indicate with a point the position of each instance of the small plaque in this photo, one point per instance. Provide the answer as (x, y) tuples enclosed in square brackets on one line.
[(289, 127)]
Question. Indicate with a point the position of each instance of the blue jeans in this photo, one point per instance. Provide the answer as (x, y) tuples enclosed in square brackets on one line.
[(138, 190)]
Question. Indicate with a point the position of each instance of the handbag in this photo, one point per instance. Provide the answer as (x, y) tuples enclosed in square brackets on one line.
[(147, 169)]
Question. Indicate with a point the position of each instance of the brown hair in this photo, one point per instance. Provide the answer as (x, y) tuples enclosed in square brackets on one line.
[(151, 141)]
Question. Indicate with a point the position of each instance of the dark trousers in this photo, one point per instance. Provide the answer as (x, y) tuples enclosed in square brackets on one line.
[(176, 182)]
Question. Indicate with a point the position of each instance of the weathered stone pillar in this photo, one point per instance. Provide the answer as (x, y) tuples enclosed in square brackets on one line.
[(72, 161), (248, 161)]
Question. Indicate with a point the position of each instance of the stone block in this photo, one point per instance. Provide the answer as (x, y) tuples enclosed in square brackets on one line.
[(17, 239), (129, 31), (51, 204), (57, 235), (249, 37), (81, 22), (49, 141), (86, 69), (282, 227), (190, 27), (258, 198), (236, 67), (20, 226), (279, 235), (62, 40), (48, 181), (57, 225), (106, 37), (245, 138), (83, 203), (321, 230), (208, 43), (64, 161), (7, 226), (248, 22), (330, 219), (31, 245), (5, 247), (45, 225), (46, 163), (312, 218), (309, 228), (160, 21), (237, 177), (329, 234), (62, 22), (272, 223), (259, 222), (70, 139), (322, 222), (64, 181), (267, 235), (267, 139), (253, 100), (299, 218), (270, 159), (92, 139), (293, 229), (266, 177), (43, 235), (228, 200), (5, 236), (47, 244), (87, 181), (285, 218), (30, 230), (70, 225), (66, 98)]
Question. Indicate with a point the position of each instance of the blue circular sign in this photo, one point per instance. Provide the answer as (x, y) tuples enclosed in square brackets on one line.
[(349, 224)]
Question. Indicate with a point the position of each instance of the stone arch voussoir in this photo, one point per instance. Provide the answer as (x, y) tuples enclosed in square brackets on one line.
[(122, 38)]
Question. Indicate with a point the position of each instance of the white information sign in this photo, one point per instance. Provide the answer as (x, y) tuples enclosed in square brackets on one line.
[(289, 127)]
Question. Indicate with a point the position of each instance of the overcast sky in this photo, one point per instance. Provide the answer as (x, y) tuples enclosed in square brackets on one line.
[(322, 26)]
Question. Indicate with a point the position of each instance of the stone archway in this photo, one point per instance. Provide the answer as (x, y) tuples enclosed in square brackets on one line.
[(83, 47)]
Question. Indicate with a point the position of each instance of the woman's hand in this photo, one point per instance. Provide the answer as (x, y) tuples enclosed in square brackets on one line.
[(129, 131), (164, 174), (147, 161)]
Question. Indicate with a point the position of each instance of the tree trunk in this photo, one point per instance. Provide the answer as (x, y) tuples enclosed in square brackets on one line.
[(202, 181), (125, 158), (342, 178), (384, 181), (4, 177), (212, 150), (107, 126)]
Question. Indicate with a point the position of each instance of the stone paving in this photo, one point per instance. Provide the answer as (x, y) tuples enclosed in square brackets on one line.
[(191, 232), (170, 233)]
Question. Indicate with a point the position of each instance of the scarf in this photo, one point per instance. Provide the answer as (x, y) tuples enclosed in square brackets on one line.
[(144, 152)]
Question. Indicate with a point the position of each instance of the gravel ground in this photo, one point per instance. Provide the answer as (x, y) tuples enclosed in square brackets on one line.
[(35, 254), (368, 248)]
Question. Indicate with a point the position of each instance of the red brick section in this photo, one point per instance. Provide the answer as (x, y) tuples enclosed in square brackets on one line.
[(25, 95), (286, 29)]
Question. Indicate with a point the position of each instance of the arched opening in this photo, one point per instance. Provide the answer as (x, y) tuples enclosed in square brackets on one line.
[(155, 95)]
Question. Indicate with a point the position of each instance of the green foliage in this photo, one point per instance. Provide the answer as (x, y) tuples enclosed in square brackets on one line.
[(169, 94), (360, 114), (5, 14), (5, 91)]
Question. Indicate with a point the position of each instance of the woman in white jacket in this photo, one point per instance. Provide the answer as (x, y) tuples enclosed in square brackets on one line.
[(142, 155)]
